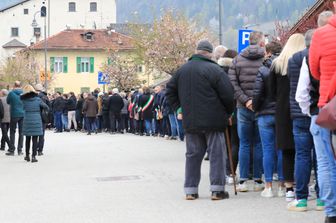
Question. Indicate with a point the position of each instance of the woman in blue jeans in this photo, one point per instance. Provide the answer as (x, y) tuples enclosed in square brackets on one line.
[(264, 105)]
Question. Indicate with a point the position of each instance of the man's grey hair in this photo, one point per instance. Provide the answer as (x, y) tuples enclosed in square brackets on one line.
[(115, 91), (256, 38), (308, 37), (4, 92), (324, 18), (220, 51)]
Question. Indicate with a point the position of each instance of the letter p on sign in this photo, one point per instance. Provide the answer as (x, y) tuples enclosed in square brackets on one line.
[(244, 39)]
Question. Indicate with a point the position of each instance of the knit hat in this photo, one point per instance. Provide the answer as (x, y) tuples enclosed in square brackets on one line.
[(28, 89), (39, 87), (205, 45)]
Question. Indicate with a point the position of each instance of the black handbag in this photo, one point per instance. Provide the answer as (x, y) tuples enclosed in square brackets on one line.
[(45, 115)]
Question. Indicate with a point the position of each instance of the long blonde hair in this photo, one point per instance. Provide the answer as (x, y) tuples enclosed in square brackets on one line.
[(294, 44)]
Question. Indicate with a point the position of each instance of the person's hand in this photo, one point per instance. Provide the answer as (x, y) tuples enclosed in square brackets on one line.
[(230, 121), (249, 105), (180, 116)]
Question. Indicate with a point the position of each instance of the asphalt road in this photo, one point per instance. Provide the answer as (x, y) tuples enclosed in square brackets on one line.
[(122, 178)]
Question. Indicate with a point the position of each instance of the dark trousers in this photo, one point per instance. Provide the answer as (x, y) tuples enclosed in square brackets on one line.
[(58, 120), (124, 122), (131, 125), (41, 139), (233, 134), (79, 119), (91, 124), (35, 144), (106, 120), (288, 161), (165, 126), (115, 121), (4, 138), (197, 145), (13, 123)]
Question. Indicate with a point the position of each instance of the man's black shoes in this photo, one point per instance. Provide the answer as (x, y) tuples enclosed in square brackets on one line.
[(219, 195), (10, 154)]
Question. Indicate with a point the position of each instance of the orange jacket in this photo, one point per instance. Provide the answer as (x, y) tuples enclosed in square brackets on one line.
[(322, 58)]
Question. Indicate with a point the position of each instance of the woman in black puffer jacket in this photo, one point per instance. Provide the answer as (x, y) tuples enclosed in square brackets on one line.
[(264, 105)]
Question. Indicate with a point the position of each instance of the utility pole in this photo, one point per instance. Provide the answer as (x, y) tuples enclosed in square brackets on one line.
[(220, 22)]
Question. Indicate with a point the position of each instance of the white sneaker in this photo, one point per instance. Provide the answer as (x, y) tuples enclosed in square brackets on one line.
[(243, 187), (281, 191), (290, 196), (229, 180), (267, 192), (258, 187), (275, 177)]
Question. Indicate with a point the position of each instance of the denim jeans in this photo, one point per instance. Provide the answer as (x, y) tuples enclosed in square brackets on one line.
[(326, 167), (197, 145), (91, 124), (180, 129), (65, 121), (16, 122), (266, 124), (249, 138), (304, 146), (58, 121), (173, 124), (148, 126)]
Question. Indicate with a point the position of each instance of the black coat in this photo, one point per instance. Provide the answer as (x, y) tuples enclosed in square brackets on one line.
[(116, 103), (146, 104), (262, 101), (205, 94), (294, 68), (71, 103), (59, 104), (283, 124), (106, 102)]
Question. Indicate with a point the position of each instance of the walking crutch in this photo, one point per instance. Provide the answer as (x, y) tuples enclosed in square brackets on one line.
[(227, 137)]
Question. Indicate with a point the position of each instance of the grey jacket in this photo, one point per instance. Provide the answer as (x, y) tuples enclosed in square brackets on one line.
[(6, 118), (243, 73), (124, 110)]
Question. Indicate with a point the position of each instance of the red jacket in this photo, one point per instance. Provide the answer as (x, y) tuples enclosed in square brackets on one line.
[(322, 58), (332, 89)]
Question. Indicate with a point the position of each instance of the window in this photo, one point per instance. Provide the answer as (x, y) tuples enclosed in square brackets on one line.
[(85, 64), (93, 7), (59, 89), (72, 7), (25, 11), (58, 65), (85, 90), (139, 69), (15, 32), (37, 31)]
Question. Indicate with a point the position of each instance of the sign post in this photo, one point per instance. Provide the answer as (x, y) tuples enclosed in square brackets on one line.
[(243, 39), (103, 79)]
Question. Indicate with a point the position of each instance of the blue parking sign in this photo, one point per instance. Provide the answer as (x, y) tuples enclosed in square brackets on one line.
[(103, 78), (243, 39)]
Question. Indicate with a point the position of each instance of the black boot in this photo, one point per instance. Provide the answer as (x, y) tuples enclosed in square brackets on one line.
[(34, 160), (27, 158)]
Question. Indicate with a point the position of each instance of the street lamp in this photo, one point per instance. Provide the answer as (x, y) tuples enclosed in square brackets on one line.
[(34, 25)]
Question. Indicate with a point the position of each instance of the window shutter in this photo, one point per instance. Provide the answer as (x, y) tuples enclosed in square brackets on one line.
[(78, 65), (91, 64), (65, 65), (52, 63), (109, 61)]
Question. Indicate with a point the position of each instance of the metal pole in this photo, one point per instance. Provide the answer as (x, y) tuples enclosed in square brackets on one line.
[(45, 55), (220, 23)]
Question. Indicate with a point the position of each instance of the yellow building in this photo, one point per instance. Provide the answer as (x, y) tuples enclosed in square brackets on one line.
[(76, 57)]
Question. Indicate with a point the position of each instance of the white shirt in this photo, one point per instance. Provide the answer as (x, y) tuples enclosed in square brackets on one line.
[(302, 95)]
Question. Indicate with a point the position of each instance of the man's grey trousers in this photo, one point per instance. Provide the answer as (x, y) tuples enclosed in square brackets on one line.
[(197, 145)]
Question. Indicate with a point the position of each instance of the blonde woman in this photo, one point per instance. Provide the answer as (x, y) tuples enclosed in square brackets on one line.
[(279, 82)]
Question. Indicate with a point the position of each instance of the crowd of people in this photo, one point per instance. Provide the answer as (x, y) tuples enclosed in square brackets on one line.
[(261, 103), (279, 92)]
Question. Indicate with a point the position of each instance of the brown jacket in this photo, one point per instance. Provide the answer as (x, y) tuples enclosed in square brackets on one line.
[(90, 108), (243, 73)]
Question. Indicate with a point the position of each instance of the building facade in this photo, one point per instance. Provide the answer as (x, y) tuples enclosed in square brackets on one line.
[(76, 58), (16, 27)]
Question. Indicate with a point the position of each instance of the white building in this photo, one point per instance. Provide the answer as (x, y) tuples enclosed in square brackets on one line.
[(16, 20)]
